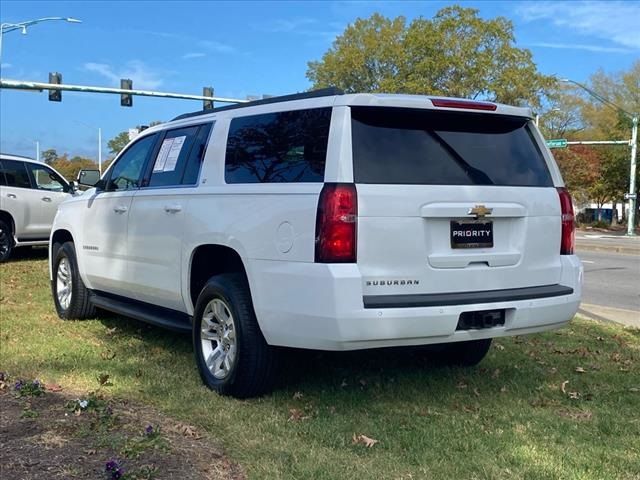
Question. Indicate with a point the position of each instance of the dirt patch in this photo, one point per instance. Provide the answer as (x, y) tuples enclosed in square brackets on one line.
[(43, 437)]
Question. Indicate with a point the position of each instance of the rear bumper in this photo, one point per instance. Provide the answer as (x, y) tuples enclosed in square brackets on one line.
[(322, 307)]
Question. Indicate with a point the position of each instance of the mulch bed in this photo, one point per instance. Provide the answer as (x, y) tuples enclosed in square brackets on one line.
[(41, 437)]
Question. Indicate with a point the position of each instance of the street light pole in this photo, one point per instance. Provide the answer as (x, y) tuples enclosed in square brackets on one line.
[(100, 150), (633, 143), (10, 27)]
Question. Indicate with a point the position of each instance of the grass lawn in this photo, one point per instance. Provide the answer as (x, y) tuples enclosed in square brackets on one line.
[(565, 404)]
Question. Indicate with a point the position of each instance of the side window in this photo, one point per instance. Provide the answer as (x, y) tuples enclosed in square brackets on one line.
[(194, 164), (15, 174), (179, 157), (126, 173), (46, 179), (3, 179), (278, 147)]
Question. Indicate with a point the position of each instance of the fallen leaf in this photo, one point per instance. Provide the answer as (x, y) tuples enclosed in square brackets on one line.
[(111, 331), (496, 373), (364, 440), (297, 395), (344, 383), (580, 370), (634, 389), (461, 385), (363, 382), (90, 452), (499, 346), (296, 415), (52, 387), (574, 395), (562, 387), (476, 392), (503, 389)]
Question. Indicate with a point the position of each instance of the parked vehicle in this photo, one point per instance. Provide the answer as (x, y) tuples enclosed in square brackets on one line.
[(325, 221), (30, 193)]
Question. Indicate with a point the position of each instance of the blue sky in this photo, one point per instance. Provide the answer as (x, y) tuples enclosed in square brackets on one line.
[(241, 48)]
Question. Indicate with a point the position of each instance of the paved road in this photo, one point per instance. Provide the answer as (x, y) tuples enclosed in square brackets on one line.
[(611, 279)]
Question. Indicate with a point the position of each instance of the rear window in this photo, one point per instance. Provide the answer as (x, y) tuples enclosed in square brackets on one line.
[(403, 146), (278, 147)]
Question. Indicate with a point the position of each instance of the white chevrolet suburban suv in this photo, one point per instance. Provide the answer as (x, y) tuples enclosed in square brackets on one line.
[(30, 193), (325, 221)]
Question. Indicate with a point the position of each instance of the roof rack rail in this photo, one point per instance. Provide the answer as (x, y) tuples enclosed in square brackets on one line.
[(323, 92)]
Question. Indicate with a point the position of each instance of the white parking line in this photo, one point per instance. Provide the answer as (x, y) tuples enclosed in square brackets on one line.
[(587, 261)]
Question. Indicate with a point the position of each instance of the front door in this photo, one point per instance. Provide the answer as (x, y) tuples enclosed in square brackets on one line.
[(105, 228)]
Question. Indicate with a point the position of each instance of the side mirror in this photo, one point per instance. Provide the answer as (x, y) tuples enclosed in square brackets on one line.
[(88, 178)]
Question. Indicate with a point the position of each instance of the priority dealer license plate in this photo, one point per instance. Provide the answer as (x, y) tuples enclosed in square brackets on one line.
[(471, 234)]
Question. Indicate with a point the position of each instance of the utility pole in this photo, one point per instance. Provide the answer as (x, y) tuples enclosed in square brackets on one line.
[(633, 196)]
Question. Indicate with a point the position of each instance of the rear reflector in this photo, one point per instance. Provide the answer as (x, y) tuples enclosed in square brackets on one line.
[(337, 223), (568, 222), (466, 104)]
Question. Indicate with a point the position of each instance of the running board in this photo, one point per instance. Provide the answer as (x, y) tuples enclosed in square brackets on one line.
[(145, 312)]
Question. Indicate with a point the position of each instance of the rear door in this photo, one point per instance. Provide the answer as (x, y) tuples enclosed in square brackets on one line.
[(452, 202), (157, 217), (51, 191)]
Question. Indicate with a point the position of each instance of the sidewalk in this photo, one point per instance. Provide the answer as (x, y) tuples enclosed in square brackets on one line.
[(612, 242), (628, 318)]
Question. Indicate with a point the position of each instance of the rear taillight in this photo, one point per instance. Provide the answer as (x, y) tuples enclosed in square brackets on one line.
[(337, 223), (466, 104), (568, 222)]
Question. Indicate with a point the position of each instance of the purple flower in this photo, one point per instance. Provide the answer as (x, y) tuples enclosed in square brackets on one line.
[(19, 384), (148, 430), (112, 466), (36, 383)]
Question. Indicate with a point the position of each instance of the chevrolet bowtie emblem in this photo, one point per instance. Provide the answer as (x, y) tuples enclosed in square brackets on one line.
[(480, 211)]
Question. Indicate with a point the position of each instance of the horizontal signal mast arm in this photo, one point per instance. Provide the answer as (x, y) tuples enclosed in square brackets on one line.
[(40, 86)]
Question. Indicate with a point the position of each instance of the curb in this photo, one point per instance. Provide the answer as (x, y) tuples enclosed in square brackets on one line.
[(609, 249), (629, 318)]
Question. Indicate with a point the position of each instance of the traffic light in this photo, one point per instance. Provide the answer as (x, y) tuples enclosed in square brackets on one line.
[(55, 95), (207, 104), (126, 99)]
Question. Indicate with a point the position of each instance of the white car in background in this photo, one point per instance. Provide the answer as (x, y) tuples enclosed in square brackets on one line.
[(30, 193)]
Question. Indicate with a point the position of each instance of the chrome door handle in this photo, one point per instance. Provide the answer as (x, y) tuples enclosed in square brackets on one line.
[(11, 195), (120, 209), (172, 208), (46, 199)]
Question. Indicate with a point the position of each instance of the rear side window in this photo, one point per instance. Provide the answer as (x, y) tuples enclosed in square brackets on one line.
[(278, 147), (15, 174), (180, 156), (403, 146)]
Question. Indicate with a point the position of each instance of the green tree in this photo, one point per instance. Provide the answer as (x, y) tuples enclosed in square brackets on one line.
[(118, 142), (456, 53), (49, 156)]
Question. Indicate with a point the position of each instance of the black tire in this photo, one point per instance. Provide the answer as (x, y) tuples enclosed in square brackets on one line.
[(465, 354), (6, 241), (254, 366), (79, 306)]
